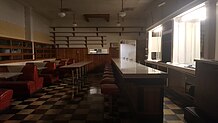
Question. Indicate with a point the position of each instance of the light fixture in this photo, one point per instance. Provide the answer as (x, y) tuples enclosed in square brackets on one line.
[(118, 24), (198, 14), (158, 29), (74, 20), (118, 20), (161, 4), (61, 13), (122, 13)]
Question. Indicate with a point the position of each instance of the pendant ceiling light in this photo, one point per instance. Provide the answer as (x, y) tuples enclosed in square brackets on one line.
[(122, 13), (61, 13), (74, 20), (118, 20)]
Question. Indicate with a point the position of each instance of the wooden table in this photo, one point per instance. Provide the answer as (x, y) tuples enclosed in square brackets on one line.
[(79, 70), (143, 87), (7, 75)]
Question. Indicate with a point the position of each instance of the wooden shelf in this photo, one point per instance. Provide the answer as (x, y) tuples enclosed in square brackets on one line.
[(54, 32), (58, 33), (78, 40), (76, 36), (97, 27), (43, 50), (14, 49)]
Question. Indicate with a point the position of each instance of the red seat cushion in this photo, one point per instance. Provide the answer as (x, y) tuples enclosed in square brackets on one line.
[(108, 80), (109, 89), (20, 88), (5, 98), (108, 75)]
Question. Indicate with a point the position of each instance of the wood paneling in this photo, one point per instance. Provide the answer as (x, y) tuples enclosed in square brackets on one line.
[(81, 54)]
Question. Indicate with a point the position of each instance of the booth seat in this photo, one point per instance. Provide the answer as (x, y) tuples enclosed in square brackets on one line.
[(20, 88), (3, 69), (71, 61), (50, 73), (61, 63), (25, 84), (30, 73), (5, 98)]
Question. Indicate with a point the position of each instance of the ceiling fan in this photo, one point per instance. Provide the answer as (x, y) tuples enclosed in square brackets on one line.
[(123, 11), (62, 11)]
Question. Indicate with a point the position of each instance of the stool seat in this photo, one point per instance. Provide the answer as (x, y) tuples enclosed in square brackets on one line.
[(108, 80), (108, 69), (109, 89), (193, 115), (108, 72), (108, 75), (5, 98)]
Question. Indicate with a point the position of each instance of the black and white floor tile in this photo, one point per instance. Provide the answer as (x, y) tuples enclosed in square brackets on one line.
[(55, 104)]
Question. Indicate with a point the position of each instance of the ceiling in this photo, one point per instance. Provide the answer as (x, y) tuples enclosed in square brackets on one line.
[(50, 8)]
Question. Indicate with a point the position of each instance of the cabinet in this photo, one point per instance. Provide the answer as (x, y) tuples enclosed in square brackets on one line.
[(182, 86), (44, 50), (15, 50)]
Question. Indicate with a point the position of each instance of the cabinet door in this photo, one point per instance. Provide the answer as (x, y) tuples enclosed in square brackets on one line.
[(176, 81)]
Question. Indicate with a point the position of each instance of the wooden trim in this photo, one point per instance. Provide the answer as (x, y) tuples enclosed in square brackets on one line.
[(77, 36), (100, 32), (99, 27)]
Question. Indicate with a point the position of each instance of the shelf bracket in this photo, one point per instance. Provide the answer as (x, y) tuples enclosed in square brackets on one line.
[(86, 41)]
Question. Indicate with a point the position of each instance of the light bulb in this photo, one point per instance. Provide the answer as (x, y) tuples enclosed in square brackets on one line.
[(61, 14), (118, 24), (74, 24), (122, 13)]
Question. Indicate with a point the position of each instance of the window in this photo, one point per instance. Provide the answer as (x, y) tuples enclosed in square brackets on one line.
[(187, 35), (154, 43)]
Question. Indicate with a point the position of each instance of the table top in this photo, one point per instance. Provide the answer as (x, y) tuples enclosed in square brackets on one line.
[(77, 65), (7, 75), (131, 69), (41, 68)]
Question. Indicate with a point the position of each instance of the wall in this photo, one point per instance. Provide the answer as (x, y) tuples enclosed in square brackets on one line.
[(13, 17), (81, 54), (159, 15), (111, 37), (156, 13), (40, 26)]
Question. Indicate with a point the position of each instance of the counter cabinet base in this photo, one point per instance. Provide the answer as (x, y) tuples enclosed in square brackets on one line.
[(145, 98)]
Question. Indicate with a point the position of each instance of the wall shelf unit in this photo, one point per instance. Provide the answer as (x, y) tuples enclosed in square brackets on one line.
[(43, 50), (15, 50), (68, 34), (81, 40)]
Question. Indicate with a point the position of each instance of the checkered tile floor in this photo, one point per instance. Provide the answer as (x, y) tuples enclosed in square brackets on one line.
[(55, 104)]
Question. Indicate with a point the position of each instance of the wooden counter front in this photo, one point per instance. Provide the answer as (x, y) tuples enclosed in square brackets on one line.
[(143, 87)]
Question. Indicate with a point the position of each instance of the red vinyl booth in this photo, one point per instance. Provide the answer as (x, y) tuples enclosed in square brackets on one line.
[(49, 74), (26, 84), (71, 61), (5, 98)]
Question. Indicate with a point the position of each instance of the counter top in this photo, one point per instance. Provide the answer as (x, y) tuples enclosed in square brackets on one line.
[(131, 69), (209, 61), (180, 67)]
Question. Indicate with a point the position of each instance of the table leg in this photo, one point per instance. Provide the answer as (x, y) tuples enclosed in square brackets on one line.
[(73, 84)]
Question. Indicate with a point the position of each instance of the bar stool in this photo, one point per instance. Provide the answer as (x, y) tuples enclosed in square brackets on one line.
[(108, 80), (110, 90), (108, 76)]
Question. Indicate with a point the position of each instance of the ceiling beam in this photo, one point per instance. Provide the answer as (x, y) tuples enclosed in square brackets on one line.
[(103, 16)]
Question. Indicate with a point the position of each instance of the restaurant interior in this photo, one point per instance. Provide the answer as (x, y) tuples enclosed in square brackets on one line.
[(108, 61)]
